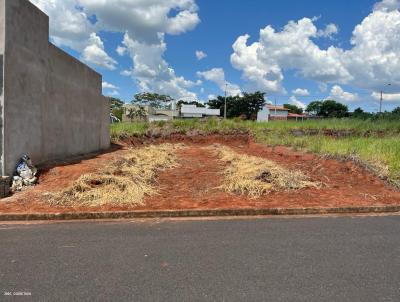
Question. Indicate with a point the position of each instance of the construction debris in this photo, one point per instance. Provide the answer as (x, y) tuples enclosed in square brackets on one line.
[(255, 176), (25, 174)]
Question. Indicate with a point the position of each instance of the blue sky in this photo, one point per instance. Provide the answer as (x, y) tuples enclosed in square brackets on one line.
[(305, 54)]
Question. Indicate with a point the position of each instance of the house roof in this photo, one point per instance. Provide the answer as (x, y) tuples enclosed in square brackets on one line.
[(296, 115), (276, 107)]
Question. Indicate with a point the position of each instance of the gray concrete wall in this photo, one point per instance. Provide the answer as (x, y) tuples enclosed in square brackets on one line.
[(53, 106), (2, 40)]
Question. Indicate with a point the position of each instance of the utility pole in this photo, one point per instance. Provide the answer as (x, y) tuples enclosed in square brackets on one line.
[(380, 104), (226, 87)]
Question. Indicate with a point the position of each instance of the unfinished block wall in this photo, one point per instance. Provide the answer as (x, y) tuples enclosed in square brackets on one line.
[(51, 104)]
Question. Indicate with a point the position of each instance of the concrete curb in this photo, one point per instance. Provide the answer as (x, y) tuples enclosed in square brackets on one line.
[(198, 213)]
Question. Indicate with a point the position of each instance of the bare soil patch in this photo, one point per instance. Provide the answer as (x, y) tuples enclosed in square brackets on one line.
[(196, 182)]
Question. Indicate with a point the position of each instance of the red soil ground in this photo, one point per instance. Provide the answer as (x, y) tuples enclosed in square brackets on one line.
[(194, 184)]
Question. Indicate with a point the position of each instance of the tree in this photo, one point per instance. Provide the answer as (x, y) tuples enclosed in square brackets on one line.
[(116, 107), (115, 103), (358, 111), (331, 108), (396, 111), (251, 104), (138, 112), (198, 104), (328, 108), (293, 108), (314, 107), (153, 99), (245, 106)]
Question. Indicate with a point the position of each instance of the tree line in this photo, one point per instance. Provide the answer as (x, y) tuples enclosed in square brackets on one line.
[(245, 106)]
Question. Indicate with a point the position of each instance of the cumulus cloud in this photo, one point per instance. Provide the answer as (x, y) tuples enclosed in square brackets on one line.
[(200, 55), (372, 60), (294, 101), (301, 92), (387, 5), (217, 75), (94, 53), (338, 94), (391, 97), (330, 30), (121, 50), (153, 73), (106, 85), (143, 20)]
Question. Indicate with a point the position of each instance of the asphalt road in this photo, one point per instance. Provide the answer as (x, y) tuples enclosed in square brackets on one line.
[(273, 259)]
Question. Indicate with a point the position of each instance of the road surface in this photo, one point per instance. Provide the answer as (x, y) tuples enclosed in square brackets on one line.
[(272, 259)]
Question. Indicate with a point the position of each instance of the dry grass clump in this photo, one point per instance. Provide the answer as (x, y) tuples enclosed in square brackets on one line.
[(255, 176), (125, 181)]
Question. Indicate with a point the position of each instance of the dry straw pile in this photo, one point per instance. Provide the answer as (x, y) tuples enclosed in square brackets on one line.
[(255, 176), (126, 181)]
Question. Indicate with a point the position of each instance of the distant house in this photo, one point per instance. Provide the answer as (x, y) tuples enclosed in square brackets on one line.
[(278, 113), (192, 111), (298, 117), (271, 112), (152, 114)]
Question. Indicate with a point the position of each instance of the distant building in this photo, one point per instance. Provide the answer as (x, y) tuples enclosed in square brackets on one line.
[(152, 114), (298, 117), (192, 111), (271, 112), (278, 113)]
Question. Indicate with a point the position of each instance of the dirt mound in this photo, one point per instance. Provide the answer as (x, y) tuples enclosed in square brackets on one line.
[(238, 137)]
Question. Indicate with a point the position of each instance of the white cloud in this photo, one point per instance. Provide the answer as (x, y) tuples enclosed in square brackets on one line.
[(126, 73), (94, 54), (387, 5), (211, 97), (338, 94), (217, 75), (294, 101), (153, 73), (391, 97), (200, 55), (301, 92), (106, 85), (121, 50), (330, 30), (372, 61), (143, 19)]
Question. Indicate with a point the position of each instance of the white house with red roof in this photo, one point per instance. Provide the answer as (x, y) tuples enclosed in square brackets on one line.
[(277, 113)]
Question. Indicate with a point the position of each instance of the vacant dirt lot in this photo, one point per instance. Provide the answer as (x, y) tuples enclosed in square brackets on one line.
[(194, 184)]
